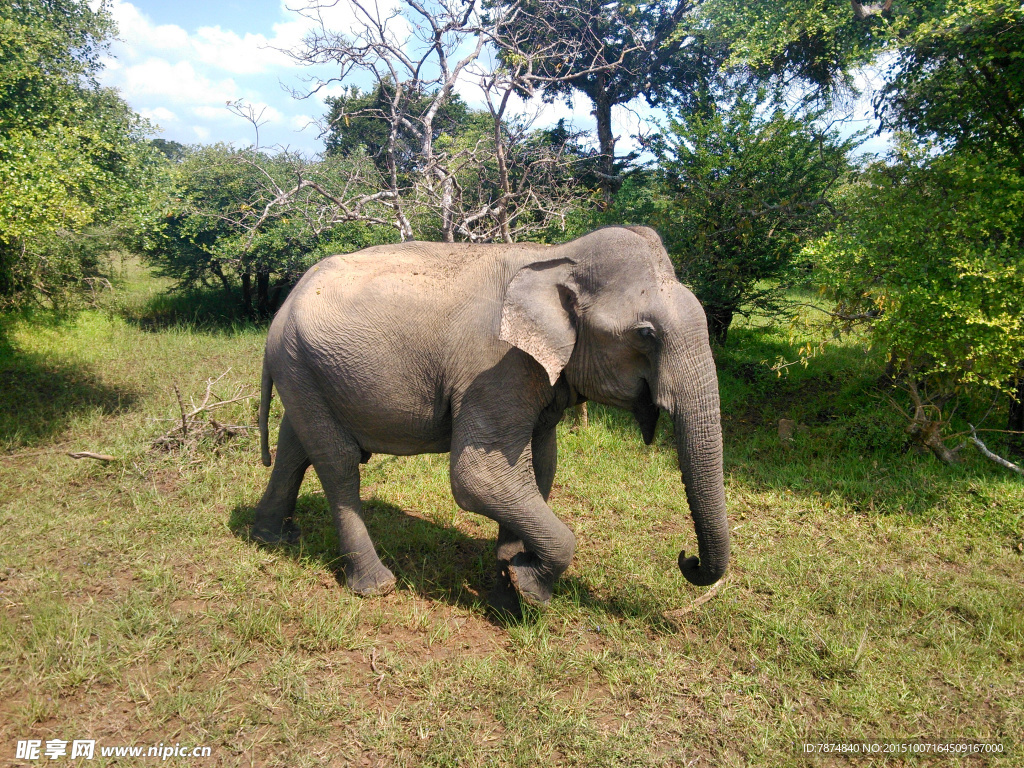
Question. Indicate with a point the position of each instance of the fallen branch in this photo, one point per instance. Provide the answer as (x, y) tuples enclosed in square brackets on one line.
[(989, 455), (91, 455), (197, 421), (679, 612)]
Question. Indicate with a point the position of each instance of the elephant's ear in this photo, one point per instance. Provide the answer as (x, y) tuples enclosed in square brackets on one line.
[(536, 315)]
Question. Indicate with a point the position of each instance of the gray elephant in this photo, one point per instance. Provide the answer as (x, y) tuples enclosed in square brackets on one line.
[(478, 350)]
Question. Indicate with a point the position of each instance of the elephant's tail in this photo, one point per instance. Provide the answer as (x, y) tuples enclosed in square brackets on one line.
[(266, 392)]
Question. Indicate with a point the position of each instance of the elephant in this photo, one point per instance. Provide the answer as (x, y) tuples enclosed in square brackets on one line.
[(477, 350)]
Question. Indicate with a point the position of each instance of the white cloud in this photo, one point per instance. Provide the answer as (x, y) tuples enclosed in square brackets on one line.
[(301, 122), (217, 47), (141, 34), (177, 82), (250, 54), (159, 115), (207, 112)]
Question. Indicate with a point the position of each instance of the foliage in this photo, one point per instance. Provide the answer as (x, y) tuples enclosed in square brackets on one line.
[(77, 177), (514, 181), (931, 256), (938, 288), (739, 187), (222, 226), (819, 43), (359, 122), (960, 79), (954, 68), (209, 188)]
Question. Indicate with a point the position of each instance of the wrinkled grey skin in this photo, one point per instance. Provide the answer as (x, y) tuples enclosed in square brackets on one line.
[(478, 350)]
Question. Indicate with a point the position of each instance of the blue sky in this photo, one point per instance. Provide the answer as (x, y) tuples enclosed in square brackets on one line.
[(179, 63)]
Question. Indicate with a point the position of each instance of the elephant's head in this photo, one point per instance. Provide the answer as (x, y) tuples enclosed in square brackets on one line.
[(607, 313)]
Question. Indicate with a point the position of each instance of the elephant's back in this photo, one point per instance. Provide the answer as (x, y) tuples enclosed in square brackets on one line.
[(376, 285), (414, 263)]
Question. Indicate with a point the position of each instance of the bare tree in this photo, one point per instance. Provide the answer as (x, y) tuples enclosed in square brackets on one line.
[(418, 52), (477, 184)]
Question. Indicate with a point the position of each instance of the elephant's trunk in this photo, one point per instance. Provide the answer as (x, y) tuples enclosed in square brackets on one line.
[(699, 443)]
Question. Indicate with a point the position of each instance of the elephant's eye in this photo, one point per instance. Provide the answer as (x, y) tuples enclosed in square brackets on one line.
[(646, 331)]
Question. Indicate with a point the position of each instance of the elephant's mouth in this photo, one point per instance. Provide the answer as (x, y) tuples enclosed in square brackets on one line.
[(646, 412)]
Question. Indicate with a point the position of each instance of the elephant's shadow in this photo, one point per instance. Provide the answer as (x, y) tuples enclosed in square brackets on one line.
[(436, 561)]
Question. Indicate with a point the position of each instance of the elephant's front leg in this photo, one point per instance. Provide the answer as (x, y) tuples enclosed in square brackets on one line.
[(544, 454), (493, 474)]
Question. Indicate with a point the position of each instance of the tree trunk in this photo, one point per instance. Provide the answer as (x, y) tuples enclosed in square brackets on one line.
[(606, 141), (275, 296), (263, 294), (247, 292), (719, 320), (223, 279), (503, 179)]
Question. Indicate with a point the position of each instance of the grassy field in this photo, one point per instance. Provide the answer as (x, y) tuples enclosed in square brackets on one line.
[(874, 595)]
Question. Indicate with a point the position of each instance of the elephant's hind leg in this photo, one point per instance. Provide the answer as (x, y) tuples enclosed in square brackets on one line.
[(273, 518), (335, 456), (365, 574)]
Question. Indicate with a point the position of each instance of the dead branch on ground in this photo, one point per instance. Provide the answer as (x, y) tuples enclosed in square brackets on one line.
[(678, 613), (197, 424), (926, 424), (91, 455), (989, 455)]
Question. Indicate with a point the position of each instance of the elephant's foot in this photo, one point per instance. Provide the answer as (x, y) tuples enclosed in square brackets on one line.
[(286, 533), (530, 584), (370, 581)]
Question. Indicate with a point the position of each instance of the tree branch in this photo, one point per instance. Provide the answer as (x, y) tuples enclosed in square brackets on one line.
[(989, 455)]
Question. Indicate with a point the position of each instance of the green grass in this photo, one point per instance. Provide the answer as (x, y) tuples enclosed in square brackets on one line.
[(874, 593)]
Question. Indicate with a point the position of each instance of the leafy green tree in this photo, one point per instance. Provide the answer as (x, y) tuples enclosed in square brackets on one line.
[(739, 188), (959, 79), (931, 258), (223, 226), (956, 88), (77, 176), (360, 121), (816, 43), (613, 53), (172, 150), (211, 186)]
